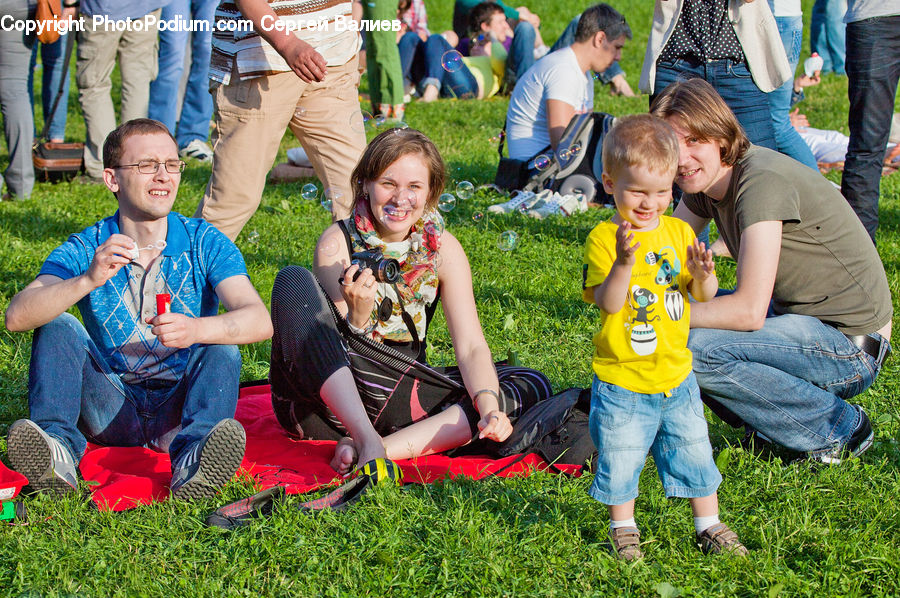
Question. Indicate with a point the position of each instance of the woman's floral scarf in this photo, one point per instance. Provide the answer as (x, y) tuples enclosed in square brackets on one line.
[(418, 286)]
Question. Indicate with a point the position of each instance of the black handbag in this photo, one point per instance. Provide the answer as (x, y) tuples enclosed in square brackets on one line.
[(511, 173), (57, 161)]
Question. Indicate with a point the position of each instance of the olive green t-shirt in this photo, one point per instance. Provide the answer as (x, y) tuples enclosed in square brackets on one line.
[(829, 268)]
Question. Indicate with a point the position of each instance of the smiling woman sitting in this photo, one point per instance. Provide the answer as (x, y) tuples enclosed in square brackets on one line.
[(348, 355)]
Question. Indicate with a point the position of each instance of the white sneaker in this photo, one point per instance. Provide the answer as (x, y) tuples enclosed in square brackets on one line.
[(565, 205), (515, 203), (198, 150)]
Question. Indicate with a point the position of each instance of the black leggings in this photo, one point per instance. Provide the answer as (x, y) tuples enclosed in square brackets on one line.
[(312, 341)]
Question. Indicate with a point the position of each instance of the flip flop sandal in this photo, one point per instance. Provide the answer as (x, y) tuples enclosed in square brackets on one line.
[(240, 513)]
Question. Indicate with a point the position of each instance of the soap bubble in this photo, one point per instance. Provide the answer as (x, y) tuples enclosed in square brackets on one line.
[(477, 217), (452, 61), (380, 120), (329, 247), (446, 202), (253, 238), (360, 121), (541, 162), (465, 190), (309, 192), (330, 196), (508, 240), (300, 112)]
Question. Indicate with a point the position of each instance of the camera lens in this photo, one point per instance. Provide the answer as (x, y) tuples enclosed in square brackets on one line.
[(388, 271)]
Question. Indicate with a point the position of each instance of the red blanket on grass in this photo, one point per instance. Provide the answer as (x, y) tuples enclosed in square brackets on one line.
[(126, 477)]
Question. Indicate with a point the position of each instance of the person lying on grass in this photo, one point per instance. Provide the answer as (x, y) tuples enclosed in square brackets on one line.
[(142, 370), (808, 325), (349, 351), (639, 267)]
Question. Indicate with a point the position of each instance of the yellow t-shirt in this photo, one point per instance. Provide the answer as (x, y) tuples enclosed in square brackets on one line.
[(643, 347)]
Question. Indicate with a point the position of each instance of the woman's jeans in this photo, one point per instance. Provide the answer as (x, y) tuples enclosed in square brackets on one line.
[(74, 396), (789, 380), (787, 139), (457, 82), (735, 85)]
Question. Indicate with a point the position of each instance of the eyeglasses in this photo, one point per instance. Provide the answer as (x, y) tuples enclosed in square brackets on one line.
[(152, 166)]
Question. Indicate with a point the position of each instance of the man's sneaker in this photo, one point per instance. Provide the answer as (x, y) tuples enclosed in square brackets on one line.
[(720, 539), (859, 442), (203, 468), (44, 460), (626, 543), (515, 203), (565, 205), (198, 150)]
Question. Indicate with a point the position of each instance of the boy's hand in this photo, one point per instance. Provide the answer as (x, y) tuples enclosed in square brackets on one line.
[(700, 261), (624, 249)]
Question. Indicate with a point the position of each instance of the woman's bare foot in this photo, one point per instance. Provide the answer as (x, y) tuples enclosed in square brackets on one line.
[(347, 454), (430, 93), (344, 455)]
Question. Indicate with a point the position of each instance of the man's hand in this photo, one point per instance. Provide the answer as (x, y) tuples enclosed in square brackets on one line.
[(175, 330), (700, 262), (304, 60), (624, 249), (109, 259)]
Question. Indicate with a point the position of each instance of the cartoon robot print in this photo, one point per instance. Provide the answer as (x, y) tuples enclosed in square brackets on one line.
[(667, 275), (643, 335)]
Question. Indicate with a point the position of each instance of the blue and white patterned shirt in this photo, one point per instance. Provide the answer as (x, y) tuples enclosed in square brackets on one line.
[(196, 259)]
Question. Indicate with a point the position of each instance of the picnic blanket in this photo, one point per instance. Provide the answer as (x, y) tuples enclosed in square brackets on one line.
[(123, 478)]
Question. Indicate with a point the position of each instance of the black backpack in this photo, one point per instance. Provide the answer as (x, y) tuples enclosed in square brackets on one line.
[(574, 168), (556, 429)]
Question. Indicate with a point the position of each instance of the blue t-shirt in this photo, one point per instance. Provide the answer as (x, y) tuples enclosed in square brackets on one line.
[(196, 259)]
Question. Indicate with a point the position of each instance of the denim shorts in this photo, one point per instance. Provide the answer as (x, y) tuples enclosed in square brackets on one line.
[(671, 426)]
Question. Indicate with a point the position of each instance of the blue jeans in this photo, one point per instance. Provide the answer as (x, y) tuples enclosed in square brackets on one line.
[(873, 69), (568, 36), (626, 425), (826, 34), (197, 107), (790, 379), (787, 140), (53, 58), (410, 47), (460, 83), (521, 54), (734, 84), (74, 396)]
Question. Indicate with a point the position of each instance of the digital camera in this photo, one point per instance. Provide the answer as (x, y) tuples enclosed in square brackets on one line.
[(385, 269)]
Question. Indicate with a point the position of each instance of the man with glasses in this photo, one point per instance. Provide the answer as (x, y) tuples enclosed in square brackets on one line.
[(154, 364)]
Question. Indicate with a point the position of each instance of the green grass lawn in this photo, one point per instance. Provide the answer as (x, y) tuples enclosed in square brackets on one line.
[(816, 532)]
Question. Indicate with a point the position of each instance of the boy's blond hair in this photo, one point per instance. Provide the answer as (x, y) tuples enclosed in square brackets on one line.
[(640, 140)]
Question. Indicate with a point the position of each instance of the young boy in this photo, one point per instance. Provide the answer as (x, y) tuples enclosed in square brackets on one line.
[(639, 269)]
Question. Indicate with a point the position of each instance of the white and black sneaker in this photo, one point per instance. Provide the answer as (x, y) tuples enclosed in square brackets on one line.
[(205, 467), (858, 443), (44, 460)]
